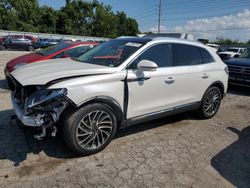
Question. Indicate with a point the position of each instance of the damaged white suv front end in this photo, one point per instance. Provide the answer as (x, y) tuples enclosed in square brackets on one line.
[(42, 109)]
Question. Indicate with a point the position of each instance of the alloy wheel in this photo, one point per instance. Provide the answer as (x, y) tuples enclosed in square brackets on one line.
[(212, 102), (94, 129)]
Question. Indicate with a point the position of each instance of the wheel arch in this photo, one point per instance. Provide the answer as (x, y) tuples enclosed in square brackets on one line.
[(220, 85), (109, 102)]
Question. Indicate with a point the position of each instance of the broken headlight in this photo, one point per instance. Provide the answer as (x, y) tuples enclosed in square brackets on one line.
[(44, 96)]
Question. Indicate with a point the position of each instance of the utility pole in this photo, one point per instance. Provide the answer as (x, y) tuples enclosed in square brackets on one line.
[(159, 18)]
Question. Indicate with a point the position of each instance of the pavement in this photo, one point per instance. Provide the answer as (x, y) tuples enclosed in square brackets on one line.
[(176, 151)]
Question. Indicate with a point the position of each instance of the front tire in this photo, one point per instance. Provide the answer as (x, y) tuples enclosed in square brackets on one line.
[(90, 129), (210, 103), (31, 48)]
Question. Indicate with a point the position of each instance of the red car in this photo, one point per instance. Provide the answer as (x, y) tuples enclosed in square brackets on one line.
[(60, 50)]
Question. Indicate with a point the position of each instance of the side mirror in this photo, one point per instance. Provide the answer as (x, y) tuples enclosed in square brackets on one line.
[(146, 65)]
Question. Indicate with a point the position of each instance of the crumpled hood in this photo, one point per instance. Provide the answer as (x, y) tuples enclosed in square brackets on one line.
[(43, 72)]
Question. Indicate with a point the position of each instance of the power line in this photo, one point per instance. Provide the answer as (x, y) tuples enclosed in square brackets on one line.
[(225, 29), (207, 3), (146, 15), (210, 8), (200, 17), (145, 11)]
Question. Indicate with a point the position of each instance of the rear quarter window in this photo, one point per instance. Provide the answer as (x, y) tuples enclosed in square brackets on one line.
[(207, 58), (184, 55)]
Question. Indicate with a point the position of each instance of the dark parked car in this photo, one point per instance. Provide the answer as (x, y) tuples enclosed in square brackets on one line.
[(18, 42), (239, 69)]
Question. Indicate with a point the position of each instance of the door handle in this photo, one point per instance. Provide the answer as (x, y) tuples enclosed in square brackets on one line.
[(170, 80), (205, 76)]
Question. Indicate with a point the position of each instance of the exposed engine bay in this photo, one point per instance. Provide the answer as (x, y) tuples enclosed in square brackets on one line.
[(38, 106)]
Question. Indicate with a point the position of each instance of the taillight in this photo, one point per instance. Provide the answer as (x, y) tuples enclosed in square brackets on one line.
[(226, 70)]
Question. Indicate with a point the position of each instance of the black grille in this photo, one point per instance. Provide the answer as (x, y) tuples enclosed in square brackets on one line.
[(237, 69)]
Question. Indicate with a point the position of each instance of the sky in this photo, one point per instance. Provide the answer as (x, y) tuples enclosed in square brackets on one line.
[(203, 18)]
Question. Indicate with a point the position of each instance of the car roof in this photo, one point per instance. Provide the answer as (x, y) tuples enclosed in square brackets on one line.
[(135, 39), (160, 39)]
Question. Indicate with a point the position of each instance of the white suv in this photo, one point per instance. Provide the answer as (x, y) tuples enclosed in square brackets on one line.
[(231, 53), (116, 84)]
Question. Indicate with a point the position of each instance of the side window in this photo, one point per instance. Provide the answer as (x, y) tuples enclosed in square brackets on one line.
[(75, 52), (207, 58), (161, 54), (186, 55)]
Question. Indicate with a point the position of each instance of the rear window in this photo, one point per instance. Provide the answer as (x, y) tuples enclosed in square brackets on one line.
[(186, 55)]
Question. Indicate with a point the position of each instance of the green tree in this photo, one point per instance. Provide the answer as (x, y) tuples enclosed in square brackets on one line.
[(27, 13), (104, 22), (227, 41), (126, 26), (47, 20), (77, 17)]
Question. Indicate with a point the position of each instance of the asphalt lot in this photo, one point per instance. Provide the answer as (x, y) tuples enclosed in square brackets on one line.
[(178, 151)]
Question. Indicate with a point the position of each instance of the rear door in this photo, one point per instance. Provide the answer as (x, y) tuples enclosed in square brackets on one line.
[(191, 72)]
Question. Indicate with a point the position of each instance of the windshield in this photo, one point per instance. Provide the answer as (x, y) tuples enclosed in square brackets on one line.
[(52, 49), (112, 53), (246, 54), (233, 50)]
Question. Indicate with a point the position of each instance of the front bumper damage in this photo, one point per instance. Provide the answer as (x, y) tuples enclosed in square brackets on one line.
[(45, 117)]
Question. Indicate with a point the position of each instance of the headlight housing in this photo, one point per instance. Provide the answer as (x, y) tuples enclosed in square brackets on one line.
[(44, 96)]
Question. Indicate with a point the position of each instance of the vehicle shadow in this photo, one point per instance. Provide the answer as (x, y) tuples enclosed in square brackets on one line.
[(238, 90), (155, 123), (233, 163), (16, 143)]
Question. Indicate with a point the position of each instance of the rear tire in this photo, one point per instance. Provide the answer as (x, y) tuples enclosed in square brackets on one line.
[(90, 129), (210, 103)]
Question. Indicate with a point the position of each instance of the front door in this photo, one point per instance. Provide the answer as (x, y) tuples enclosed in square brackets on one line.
[(151, 91)]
